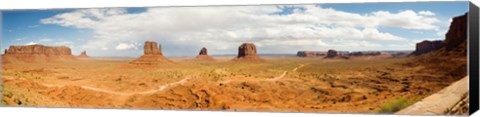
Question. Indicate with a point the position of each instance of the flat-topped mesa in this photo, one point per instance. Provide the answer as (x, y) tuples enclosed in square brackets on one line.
[(309, 54), (203, 55), (426, 47), (38, 53), (337, 54), (152, 54), (370, 53), (247, 52), (331, 53), (83, 55)]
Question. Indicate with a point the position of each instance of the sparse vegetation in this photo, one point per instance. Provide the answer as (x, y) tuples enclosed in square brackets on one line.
[(397, 104)]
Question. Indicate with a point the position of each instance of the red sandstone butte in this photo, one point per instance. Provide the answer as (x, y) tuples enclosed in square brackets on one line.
[(152, 54), (203, 55), (247, 52)]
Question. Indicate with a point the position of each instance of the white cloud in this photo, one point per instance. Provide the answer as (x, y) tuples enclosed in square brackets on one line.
[(64, 43), (426, 13), (124, 46), (31, 43), (19, 39), (224, 28)]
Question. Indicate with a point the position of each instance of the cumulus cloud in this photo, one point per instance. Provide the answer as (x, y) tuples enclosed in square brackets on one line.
[(427, 13), (124, 46), (64, 43), (223, 29), (31, 43)]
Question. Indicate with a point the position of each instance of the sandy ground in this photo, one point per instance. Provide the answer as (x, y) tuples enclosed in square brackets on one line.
[(286, 84)]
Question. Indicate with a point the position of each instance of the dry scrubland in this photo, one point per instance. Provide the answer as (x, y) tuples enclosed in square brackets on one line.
[(288, 84)]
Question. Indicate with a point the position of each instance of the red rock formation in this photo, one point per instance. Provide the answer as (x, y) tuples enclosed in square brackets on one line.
[(83, 55), (455, 42), (203, 51), (203, 55), (151, 48), (38, 53), (247, 52), (427, 46), (456, 37), (152, 54)]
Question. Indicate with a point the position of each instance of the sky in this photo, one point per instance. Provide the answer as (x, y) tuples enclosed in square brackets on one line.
[(274, 29)]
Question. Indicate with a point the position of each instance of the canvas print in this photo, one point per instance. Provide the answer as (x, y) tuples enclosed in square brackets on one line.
[(322, 58)]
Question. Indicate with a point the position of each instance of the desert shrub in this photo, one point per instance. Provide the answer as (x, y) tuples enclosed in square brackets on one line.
[(397, 104), (7, 94)]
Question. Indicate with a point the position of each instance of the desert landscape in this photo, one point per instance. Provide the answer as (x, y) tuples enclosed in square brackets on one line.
[(331, 81)]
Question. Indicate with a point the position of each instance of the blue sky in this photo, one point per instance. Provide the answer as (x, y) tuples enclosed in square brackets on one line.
[(182, 31)]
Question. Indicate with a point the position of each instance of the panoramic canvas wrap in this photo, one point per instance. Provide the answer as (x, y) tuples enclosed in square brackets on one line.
[(334, 58)]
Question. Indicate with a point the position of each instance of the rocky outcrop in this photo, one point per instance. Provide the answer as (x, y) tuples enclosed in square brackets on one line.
[(455, 43), (83, 55), (311, 54), (152, 55), (247, 52), (331, 54), (38, 53), (427, 46), (203, 55), (456, 37)]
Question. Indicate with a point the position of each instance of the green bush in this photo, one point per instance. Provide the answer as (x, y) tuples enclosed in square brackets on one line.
[(397, 104)]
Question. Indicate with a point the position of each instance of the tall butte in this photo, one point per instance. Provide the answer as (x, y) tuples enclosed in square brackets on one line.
[(83, 55), (152, 54), (37, 53), (203, 55), (247, 52)]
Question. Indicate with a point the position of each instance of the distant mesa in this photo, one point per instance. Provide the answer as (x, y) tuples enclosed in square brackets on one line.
[(152, 54), (427, 46), (247, 52), (337, 54), (310, 54), (203, 55), (83, 55), (370, 53), (331, 53), (38, 53), (347, 55)]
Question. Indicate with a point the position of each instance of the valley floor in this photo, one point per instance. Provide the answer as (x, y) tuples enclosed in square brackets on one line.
[(285, 84)]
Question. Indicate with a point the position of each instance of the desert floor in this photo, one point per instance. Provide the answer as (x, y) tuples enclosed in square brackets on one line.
[(286, 84)]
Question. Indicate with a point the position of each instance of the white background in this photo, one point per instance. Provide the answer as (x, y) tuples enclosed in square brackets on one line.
[(78, 112)]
